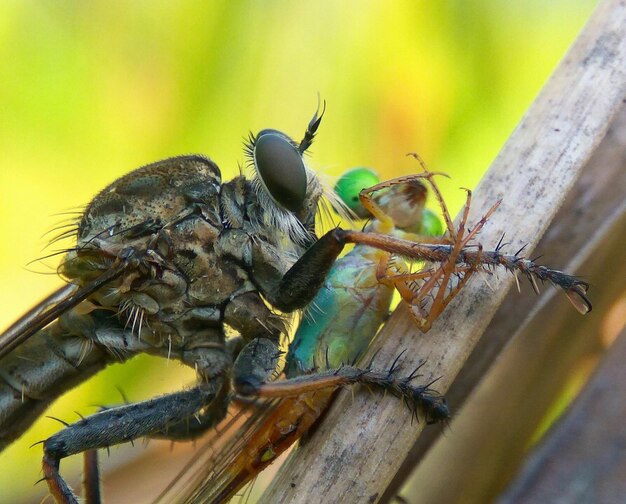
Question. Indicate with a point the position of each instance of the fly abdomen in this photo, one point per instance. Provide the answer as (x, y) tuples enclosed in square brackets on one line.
[(59, 357)]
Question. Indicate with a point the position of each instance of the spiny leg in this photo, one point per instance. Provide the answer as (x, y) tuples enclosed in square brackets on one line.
[(442, 299), (449, 266), (435, 279), (439, 279), (118, 425), (306, 276), (255, 365), (385, 265), (432, 405)]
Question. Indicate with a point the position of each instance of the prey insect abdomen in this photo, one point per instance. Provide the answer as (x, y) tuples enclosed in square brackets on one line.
[(345, 315)]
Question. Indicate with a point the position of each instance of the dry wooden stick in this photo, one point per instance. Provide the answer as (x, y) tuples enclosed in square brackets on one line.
[(549, 352), (357, 450)]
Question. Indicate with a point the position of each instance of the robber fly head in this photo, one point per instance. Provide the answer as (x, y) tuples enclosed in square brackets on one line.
[(282, 180)]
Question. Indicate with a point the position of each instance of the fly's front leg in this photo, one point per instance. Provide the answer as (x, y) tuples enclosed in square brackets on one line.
[(300, 284), (304, 279)]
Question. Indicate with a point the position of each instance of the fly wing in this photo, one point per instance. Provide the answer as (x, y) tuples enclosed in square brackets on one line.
[(224, 463), (52, 307), (250, 441)]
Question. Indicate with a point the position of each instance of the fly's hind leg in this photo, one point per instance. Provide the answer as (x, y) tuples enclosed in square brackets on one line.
[(119, 425)]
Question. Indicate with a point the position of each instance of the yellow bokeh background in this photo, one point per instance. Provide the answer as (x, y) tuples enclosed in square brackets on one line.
[(90, 90)]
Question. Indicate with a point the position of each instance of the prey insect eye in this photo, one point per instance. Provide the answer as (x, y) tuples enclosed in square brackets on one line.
[(280, 167), (349, 186)]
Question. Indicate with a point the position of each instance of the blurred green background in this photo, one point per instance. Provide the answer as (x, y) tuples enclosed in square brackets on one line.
[(90, 90)]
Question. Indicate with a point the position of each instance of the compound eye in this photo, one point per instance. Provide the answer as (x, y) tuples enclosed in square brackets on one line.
[(280, 168)]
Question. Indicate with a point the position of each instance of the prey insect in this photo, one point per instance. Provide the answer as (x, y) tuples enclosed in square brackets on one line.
[(168, 257), (338, 326)]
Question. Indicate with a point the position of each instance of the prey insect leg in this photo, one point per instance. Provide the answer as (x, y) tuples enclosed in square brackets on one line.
[(444, 208), (450, 267), (436, 282), (386, 222)]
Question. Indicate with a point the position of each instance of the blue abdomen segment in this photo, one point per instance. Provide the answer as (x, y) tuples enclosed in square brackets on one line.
[(342, 320)]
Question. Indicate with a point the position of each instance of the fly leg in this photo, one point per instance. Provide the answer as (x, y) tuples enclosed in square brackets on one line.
[(449, 267), (179, 416), (303, 280), (435, 280), (158, 417), (91, 477), (255, 367), (423, 398), (445, 294), (405, 282)]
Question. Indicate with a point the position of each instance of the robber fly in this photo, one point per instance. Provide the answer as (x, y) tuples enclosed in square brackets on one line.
[(166, 259)]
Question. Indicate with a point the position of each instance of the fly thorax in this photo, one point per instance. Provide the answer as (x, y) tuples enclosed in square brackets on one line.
[(150, 198), (169, 214)]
